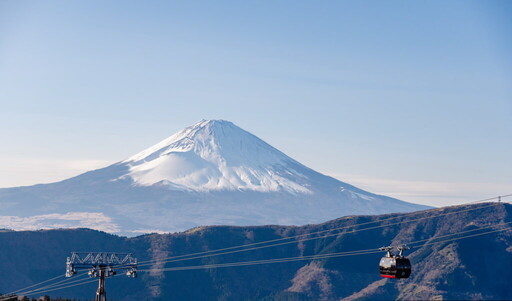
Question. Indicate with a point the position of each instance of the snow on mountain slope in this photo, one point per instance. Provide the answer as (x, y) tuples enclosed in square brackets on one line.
[(215, 155), (210, 173)]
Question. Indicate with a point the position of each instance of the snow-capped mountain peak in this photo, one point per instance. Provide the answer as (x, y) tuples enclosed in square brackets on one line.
[(215, 155), (211, 173)]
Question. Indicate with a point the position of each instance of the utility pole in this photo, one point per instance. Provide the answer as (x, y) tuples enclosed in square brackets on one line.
[(101, 265)]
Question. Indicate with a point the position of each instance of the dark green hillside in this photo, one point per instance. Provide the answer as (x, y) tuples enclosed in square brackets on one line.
[(473, 268)]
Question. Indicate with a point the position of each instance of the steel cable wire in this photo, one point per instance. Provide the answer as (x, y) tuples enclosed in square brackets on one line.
[(35, 284), (327, 255), (313, 238), (63, 282), (208, 253), (323, 231)]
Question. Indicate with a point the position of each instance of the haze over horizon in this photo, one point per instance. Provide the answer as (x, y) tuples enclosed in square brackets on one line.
[(408, 100)]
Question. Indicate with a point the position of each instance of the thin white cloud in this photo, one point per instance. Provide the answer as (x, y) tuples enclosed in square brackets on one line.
[(91, 220), (146, 231), (427, 192), (29, 171)]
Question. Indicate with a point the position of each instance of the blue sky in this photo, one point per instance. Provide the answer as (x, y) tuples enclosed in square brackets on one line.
[(412, 99)]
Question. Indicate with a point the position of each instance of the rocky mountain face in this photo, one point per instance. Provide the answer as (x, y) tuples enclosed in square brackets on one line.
[(211, 173), (476, 267)]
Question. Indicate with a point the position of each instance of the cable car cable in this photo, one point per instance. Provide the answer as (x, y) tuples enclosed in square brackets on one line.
[(84, 281), (301, 258), (142, 263), (36, 284), (66, 281), (452, 234), (208, 253), (64, 285), (327, 255), (264, 261), (302, 235), (313, 238)]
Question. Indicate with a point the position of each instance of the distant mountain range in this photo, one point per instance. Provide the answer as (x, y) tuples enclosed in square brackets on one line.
[(211, 173), (474, 268)]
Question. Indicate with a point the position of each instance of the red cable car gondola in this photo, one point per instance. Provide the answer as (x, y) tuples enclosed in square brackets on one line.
[(394, 266)]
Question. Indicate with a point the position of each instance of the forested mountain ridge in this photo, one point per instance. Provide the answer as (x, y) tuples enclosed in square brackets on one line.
[(476, 267)]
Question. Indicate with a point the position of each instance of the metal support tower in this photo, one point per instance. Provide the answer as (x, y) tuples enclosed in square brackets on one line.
[(101, 265), (101, 294)]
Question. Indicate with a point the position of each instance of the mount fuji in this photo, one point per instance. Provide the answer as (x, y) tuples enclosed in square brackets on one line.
[(211, 173)]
